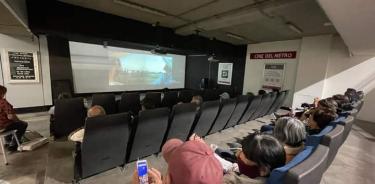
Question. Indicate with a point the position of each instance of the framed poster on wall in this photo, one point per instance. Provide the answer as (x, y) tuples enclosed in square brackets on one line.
[(273, 76), (225, 73), (21, 66)]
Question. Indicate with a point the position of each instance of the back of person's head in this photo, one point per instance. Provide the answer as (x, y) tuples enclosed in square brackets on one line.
[(360, 94), (197, 99), (290, 131), (328, 103), (147, 104), (191, 162), (343, 102), (265, 150), (277, 90), (95, 111), (323, 116), (63, 95), (261, 92), (3, 91), (351, 94), (224, 96)]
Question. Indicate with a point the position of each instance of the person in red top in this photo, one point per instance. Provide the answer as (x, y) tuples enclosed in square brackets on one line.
[(9, 121)]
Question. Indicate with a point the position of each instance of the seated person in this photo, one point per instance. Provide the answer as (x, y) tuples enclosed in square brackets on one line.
[(260, 154), (319, 119), (343, 102), (94, 111), (51, 111), (197, 99), (188, 162), (352, 95), (147, 104), (291, 132), (9, 121)]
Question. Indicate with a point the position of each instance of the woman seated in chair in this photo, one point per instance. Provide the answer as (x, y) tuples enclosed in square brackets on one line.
[(291, 132), (9, 121), (318, 119)]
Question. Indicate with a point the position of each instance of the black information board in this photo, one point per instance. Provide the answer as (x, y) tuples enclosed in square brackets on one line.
[(21, 65)]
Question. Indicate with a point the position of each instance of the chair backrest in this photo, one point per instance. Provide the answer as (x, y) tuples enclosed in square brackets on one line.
[(104, 143), (169, 99), (181, 121), (268, 103), (348, 123), (242, 104), (148, 133), (107, 101), (70, 115), (333, 141), (185, 96), (259, 110), (210, 95), (254, 104), (310, 170), (130, 103), (206, 117), (278, 174), (155, 98), (278, 102), (314, 140), (227, 108)]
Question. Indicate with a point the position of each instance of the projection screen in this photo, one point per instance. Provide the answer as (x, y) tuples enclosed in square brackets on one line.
[(109, 69)]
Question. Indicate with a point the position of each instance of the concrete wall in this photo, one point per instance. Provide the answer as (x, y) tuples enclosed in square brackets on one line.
[(312, 66), (345, 71), (324, 67), (32, 94), (254, 68)]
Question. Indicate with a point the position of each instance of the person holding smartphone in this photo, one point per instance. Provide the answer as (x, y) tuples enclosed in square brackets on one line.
[(188, 162)]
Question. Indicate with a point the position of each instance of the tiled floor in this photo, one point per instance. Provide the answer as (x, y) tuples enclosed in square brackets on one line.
[(354, 162)]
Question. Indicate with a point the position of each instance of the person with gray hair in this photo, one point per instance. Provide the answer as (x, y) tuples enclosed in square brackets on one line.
[(291, 132)]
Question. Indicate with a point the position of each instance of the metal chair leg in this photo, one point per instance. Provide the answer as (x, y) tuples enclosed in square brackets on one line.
[(17, 141), (2, 148)]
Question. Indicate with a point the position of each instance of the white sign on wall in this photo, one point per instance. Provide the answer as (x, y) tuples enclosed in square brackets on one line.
[(273, 76), (225, 73), (21, 66)]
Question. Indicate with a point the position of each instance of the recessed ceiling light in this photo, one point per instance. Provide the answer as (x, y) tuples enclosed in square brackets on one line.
[(294, 28), (328, 24), (140, 7), (238, 37)]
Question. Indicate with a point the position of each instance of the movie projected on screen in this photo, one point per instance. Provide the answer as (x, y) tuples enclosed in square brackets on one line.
[(107, 69)]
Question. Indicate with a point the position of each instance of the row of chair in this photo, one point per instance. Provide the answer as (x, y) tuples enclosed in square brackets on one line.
[(131, 101), (320, 150), (128, 139)]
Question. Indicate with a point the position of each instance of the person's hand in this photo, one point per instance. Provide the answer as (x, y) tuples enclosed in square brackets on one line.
[(195, 137), (316, 101), (154, 177)]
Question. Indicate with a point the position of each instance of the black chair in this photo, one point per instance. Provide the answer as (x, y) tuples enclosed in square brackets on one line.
[(242, 104), (169, 99), (210, 95), (148, 133), (277, 103), (227, 108), (185, 96), (333, 141), (130, 103), (268, 103), (206, 117), (181, 121), (155, 98), (310, 170), (70, 115), (254, 104), (261, 108), (107, 101), (104, 144)]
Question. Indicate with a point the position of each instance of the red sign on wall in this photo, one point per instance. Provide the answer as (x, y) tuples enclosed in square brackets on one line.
[(274, 55)]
